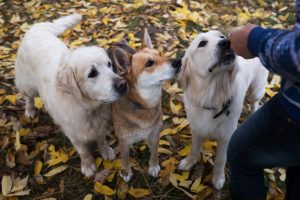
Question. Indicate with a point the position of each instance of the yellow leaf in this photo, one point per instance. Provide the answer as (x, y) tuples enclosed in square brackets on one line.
[(209, 145), (98, 162), (167, 131), (270, 92), (103, 189), (76, 43), (185, 183), (88, 197), (164, 142), (57, 156), (138, 192), (12, 99), (20, 184), (38, 167), (117, 38), (105, 20), (2, 91), (17, 142), (170, 164), (111, 177), (164, 150), (6, 184), (117, 164), (197, 186), (56, 170), (107, 164), (269, 171), (173, 180), (20, 193), (24, 131), (181, 126), (131, 36), (38, 103), (174, 89), (185, 151), (177, 120), (175, 108)]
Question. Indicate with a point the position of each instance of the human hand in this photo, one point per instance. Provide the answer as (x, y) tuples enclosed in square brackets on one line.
[(239, 39)]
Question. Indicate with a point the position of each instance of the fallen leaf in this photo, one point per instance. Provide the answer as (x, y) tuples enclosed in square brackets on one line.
[(138, 192), (6, 184), (103, 189), (38, 167), (88, 197), (56, 170)]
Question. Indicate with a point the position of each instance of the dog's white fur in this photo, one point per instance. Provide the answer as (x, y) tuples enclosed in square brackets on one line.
[(211, 89), (46, 67)]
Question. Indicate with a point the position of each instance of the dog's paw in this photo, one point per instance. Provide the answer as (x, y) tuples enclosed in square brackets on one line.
[(218, 181), (88, 170), (30, 113), (186, 164), (154, 170), (126, 175), (107, 153)]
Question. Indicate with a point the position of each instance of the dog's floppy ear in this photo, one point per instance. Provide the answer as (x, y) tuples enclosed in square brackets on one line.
[(184, 74), (67, 83), (147, 43), (121, 59)]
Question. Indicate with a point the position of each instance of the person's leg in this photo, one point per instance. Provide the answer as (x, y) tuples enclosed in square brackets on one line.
[(292, 183), (267, 139)]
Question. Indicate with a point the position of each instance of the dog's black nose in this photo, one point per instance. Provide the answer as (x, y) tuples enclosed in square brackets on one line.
[(176, 63), (224, 44), (120, 86)]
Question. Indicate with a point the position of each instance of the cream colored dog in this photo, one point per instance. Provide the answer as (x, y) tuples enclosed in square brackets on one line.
[(76, 86), (215, 82)]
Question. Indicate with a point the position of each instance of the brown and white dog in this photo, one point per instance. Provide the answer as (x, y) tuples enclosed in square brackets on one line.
[(138, 115)]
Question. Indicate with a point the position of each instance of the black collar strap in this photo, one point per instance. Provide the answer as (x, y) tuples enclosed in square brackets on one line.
[(136, 105), (225, 109)]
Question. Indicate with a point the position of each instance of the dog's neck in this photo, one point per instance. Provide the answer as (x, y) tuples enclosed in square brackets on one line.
[(211, 91), (147, 97)]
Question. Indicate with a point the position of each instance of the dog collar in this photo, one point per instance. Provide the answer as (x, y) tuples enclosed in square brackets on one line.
[(224, 110), (136, 105)]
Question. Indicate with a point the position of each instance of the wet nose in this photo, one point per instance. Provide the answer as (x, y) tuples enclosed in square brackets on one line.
[(176, 63), (120, 86), (224, 44)]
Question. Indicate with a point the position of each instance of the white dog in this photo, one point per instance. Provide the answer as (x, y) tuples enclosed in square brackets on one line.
[(215, 82), (76, 86)]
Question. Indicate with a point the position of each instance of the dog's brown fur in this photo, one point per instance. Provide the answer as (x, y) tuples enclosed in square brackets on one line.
[(136, 118)]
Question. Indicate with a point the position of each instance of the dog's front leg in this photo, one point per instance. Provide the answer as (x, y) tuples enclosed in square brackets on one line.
[(126, 172), (191, 160), (218, 178), (153, 139), (88, 166), (106, 151)]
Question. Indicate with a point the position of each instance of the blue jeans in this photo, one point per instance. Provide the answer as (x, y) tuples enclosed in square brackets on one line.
[(268, 138)]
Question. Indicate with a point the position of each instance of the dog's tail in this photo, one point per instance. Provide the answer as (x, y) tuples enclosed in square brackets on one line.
[(61, 24)]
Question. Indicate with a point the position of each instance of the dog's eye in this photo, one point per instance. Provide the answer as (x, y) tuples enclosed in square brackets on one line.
[(93, 73), (202, 43), (109, 64), (149, 63), (222, 37)]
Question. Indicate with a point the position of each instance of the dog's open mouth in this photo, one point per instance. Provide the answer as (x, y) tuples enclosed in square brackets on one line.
[(226, 59)]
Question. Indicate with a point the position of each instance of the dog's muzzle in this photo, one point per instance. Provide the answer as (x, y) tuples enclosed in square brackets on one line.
[(226, 54), (176, 64), (121, 86)]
